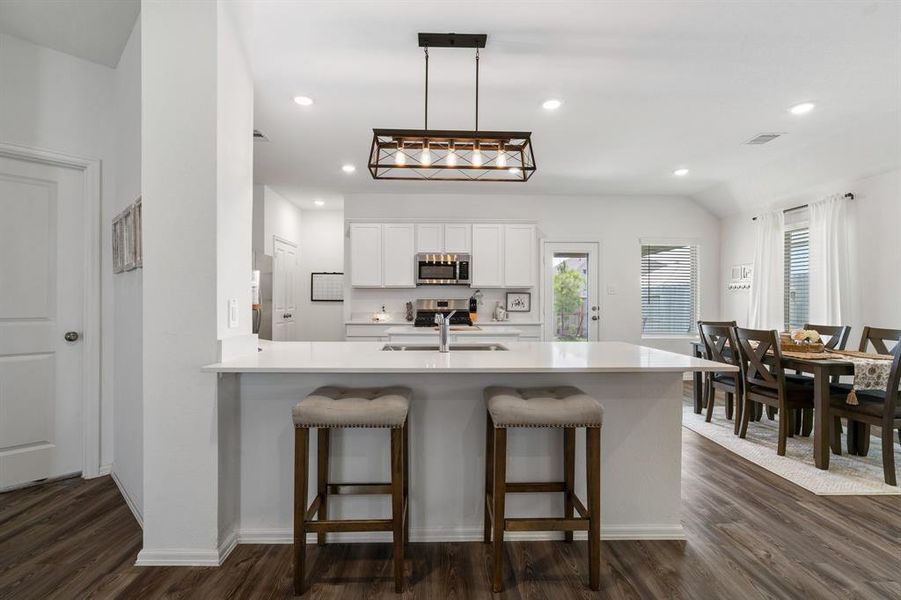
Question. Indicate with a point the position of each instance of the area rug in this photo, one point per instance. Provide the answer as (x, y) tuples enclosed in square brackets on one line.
[(847, 475)]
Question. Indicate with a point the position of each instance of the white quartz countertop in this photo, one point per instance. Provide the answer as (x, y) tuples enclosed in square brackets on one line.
[(454, 329), (478, 323), (521, 357)]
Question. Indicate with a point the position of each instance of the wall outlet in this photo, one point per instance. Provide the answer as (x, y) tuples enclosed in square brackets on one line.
[(611, 290), (232, 313)]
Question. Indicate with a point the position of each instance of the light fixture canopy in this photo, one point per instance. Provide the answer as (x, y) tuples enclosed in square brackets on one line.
[(451, 155)]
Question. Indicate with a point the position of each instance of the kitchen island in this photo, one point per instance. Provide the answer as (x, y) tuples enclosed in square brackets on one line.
[(640, 388)]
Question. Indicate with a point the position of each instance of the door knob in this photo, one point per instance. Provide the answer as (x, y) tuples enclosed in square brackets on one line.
[(286, 316), (71, 336)]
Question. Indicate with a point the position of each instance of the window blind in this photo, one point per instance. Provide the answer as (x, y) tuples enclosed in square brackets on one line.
[(669, 289), (797, 278)]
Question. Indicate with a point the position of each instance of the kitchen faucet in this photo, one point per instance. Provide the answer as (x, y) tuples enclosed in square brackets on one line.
[(443, 322)]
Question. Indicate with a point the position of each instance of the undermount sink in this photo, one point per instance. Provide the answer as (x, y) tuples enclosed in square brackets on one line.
[(452, 347)]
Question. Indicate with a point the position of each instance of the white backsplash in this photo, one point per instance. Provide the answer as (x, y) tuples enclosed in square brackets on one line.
[(364, 302)]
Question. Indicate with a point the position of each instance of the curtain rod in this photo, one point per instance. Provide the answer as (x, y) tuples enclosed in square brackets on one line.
[(849, 196)]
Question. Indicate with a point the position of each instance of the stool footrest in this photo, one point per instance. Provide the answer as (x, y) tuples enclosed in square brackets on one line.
[(353, 525), (546, 524), (525, 487), (357, 489)]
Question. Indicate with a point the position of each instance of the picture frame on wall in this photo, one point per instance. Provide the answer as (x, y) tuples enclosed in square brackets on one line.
[(117, 243), (127, 250), (128, 239), (519, 301), (136, 218)]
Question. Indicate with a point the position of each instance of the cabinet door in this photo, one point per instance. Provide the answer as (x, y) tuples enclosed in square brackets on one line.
[(457, 237), (366, 255), (398, 250), (520, 257), (429, 237), (487, 255)]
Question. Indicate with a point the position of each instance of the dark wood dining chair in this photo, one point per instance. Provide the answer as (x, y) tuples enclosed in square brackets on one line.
[(838, 339), (872, 339), (767, 385), (720, 345), (879, 408), (707, 390)]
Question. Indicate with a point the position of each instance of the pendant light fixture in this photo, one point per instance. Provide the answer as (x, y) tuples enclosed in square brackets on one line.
[(451, 155)]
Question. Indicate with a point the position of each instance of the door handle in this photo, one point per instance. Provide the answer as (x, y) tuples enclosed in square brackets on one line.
[(286, 316), (71, 336), (595, 317)]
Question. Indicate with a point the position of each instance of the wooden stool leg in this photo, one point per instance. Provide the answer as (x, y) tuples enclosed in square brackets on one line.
[(500, 490), (322, 438), (407, 482), (489, 473), (301, 443), (397, 505), (569, 475), (593, 460)]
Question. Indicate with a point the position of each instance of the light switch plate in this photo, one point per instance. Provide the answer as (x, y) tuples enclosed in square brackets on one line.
[(232, 313), (611, 290)]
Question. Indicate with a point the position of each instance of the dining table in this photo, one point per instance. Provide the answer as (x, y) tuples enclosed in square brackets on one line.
[(822, 370)]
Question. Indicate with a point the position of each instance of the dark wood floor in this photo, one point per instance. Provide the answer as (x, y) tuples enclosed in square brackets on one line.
[(750, 535)]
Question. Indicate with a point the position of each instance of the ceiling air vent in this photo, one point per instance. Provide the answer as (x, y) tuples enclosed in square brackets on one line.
[(763, 138), (258, 136)]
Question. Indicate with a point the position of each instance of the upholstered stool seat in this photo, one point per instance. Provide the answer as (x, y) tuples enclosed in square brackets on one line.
[(333, 406), (562, 406)]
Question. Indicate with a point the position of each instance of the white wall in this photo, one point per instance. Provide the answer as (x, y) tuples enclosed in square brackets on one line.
[(618, 222), (127, 288), (877, 212), (57, 102), (321, 249), (196, 258), (273, 214)]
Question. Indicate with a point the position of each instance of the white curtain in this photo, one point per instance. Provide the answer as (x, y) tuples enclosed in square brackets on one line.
[(766, 308), (830, 261)]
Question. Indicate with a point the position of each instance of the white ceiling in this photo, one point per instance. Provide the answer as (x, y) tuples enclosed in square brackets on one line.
[(95, 30), (647, 87)]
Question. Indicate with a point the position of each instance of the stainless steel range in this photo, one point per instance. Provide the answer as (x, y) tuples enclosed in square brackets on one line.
[(427, 309)]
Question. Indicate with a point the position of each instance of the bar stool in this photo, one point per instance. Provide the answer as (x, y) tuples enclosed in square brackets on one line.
[(339, 407), (566, 407)]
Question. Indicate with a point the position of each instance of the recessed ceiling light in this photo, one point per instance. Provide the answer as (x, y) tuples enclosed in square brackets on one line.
[(802, 109), (348, 168), (551, 104), (680, 172), (319, 202), (303, 100)]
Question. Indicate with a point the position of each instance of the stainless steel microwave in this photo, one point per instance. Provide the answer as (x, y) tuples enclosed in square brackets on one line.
[(442, 269)]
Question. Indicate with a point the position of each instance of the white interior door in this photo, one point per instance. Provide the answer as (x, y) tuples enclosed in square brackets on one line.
[(284, 290), (570, 284), (42, 253)]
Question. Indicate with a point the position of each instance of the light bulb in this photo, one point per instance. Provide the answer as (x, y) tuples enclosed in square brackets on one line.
[(477, 157), (501, 157), (426, 158), (451, 156), (399, 157)]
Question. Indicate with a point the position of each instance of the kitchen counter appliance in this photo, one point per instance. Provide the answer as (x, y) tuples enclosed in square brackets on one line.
[(427, 309), (443, 269)]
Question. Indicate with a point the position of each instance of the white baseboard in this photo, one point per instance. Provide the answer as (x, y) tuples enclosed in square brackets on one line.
[(104, 470), (129, 500), (617, 532), (183, 557)]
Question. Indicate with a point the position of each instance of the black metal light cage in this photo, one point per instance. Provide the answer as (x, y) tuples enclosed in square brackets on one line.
[(451, 155)]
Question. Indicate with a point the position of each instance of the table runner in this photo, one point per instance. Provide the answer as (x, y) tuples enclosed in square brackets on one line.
[(871, 372)]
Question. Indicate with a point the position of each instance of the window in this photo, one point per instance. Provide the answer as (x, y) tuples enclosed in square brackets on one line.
[(797, 277), (669, 290)]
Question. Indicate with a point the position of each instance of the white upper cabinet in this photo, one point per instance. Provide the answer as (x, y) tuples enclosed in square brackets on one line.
[(520, 256), (366, 255), (487, 255), (430, 237), (457, 237), (398, 248)]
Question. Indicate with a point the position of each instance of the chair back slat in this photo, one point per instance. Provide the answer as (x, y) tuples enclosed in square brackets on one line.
[(838, 334), (756, 371), (877, 337)]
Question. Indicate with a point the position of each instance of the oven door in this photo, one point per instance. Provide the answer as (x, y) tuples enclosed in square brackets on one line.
[(436, 273)]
